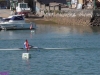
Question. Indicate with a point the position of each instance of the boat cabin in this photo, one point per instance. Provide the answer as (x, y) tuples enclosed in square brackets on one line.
[(14, 18)]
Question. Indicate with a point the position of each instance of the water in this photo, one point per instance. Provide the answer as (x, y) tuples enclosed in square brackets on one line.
[(82, 56)]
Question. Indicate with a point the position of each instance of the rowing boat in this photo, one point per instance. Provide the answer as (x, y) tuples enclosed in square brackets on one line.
[(36, 48)]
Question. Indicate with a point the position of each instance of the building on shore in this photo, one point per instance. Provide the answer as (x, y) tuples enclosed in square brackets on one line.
[(73, 4), (63, 5), (55, 5), (3, 4)]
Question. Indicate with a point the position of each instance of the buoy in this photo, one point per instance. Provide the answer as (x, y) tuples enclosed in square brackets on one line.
[(26, 55), (32, 30)]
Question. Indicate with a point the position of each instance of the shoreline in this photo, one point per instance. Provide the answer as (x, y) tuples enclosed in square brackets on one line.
[(71, 17), (40, 21), (61, 21)]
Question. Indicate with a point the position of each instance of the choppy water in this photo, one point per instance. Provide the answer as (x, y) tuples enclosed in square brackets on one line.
[(82, 56)]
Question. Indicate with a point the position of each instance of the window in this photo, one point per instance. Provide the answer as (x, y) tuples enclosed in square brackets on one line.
[(23, 5), (17, 18)]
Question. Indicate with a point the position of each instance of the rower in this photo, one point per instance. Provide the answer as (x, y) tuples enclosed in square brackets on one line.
[(26, 45)]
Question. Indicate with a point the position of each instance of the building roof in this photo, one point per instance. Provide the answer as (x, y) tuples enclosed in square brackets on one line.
[(54, 4), (50, 1)]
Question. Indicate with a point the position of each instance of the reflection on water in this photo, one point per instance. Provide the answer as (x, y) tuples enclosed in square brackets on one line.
[(48, 29), (95, 29), (67, 29)]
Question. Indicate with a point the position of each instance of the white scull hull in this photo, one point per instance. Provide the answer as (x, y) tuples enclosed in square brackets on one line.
[(37, 48)]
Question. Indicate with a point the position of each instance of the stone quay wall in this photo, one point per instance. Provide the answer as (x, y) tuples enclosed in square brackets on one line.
[(95, 20), (70, 17)]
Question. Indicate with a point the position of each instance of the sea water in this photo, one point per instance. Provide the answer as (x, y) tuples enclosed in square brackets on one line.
[(81, 56)]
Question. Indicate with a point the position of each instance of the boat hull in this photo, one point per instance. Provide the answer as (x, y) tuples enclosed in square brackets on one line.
[(25, 26)]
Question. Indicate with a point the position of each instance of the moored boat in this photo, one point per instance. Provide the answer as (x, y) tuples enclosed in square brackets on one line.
[(16, 22)]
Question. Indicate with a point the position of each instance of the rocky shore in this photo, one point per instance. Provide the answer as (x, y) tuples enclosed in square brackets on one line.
[(70, 17)]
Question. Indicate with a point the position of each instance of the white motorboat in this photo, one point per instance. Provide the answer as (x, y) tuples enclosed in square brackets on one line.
[(15, 22)]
